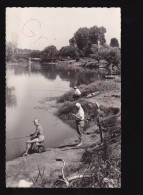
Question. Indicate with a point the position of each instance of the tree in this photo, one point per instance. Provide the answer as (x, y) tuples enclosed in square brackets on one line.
[(49, 53), (72, 41), (114, 42), (84, 38), (69, 51), (11, 49), (96, 34), (49, 50), (81, 38), (112, 55)]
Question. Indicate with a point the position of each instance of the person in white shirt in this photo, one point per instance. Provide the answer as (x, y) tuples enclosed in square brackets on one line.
[(77, 93), (79, 116)]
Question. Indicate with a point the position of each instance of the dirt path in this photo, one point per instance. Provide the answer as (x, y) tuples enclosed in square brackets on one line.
[(27, 167)]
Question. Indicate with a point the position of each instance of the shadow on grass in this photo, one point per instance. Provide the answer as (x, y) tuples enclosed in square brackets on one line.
[(69, 145)]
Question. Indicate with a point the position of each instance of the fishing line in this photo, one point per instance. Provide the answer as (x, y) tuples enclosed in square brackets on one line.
[(18, 137)]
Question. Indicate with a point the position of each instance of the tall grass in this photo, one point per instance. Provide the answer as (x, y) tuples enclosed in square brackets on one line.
[(68, 108), (99, 86)]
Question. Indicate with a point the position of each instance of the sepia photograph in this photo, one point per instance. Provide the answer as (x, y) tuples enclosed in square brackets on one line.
[(63, 97)]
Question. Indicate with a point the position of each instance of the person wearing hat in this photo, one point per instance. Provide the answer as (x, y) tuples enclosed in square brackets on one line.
[(95, 115), (77, 93), (36, 137), (79, 116)]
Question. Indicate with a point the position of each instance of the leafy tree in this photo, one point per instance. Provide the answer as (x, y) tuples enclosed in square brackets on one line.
[(49, 53), (84, 38), (112, 55), (35, 54), (96, 34), (81, 38), (114, 42), (49, 50), (72, 41), (11, 49), (69, 51)]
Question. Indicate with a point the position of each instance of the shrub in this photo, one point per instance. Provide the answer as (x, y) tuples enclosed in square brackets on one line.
[(100, 86)]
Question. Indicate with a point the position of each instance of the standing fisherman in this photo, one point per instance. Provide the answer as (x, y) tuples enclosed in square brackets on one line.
[(96, 116), (79, 116), (37, 137)]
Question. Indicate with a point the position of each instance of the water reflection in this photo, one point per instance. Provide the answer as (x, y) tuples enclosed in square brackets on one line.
[(75, 77), (11, 100)]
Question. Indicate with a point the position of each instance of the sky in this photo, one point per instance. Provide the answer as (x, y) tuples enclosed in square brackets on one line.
[(37, 28)]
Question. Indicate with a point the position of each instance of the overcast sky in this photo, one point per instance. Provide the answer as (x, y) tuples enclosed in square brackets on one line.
[(36, 28)]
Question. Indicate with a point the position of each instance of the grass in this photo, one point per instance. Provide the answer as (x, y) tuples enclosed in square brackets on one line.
[(99, 165), (68, 108), (100, 169), (99, 86)]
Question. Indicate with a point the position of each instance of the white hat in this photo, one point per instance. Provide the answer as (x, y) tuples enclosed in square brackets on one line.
[(97, 104), (78, 105), (75, 87), (36, 120)]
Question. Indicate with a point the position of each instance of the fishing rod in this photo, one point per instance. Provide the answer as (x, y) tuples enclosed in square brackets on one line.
[(18, 137)]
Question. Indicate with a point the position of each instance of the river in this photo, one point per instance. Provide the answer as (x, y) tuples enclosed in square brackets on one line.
[(26, 86)]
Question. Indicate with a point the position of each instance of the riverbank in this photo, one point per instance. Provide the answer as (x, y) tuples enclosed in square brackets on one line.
[(100, 165)]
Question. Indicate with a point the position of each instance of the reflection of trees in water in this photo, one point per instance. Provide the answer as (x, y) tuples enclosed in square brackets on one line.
[(75, 77), (11, 100), (50, 72), (18, 70)]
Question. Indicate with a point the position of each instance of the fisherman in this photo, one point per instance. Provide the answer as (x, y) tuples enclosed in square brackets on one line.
[(37, 137), (95, 115), (79, 116), (77, 93)]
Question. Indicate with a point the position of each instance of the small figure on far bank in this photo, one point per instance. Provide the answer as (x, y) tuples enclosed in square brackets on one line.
[(36, 138), (79, 116), (96, 116), (77, 93)]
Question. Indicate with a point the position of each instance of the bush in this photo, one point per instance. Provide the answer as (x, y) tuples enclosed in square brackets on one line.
[(100, 86), (68, 108)]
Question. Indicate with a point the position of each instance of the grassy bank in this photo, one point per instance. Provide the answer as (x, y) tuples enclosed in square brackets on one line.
[(98, 86), (100, 165)]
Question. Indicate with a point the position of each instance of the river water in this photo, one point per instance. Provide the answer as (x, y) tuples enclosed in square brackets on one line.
[(26, 86)]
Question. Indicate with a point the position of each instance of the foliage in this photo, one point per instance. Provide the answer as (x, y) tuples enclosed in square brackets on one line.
[(66, 110), (72, 42), (100, 86), (70, 51), (10, 50), (35, 54), (85, 37), (49, 52), (114, 42), (96, 34), (112, 55)]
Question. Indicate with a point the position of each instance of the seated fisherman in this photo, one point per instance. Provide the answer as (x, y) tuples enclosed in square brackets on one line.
[(36, 137), (77, 93), (79, 116)]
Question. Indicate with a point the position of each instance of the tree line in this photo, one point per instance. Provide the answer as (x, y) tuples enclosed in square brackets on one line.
[(86, 42)]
